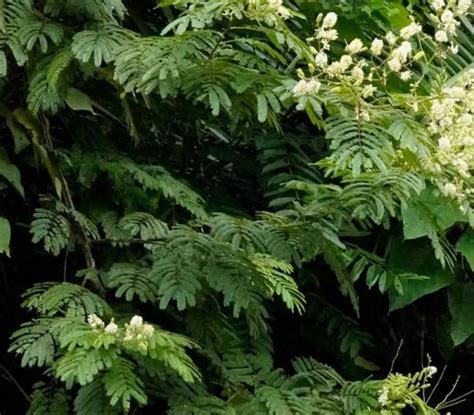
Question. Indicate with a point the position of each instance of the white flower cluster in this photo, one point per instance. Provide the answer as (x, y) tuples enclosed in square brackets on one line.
[(97, 324), (383, 397), (306, 87), (268, 10), (95, 321), (326, 32), (452, 121), (137, 330), (446, 18)]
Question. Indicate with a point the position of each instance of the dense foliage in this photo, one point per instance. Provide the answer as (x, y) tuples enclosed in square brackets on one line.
[(223, 196)]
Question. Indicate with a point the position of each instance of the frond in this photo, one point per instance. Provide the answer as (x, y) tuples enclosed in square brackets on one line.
[(94, 9), (48, 399), (144, 225), (122, 384), (82, 365), (157, 63), (132, 281), (34, 32), (178, 274), (357, 145), (285, 158), (68, 299), (41, 95), (34, 341), (99, 45), (91, 399)]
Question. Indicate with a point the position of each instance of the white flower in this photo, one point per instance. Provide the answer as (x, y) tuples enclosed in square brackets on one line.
[(411, 30), (444, 144), (462, 167), (394, 64), (383, 397), (454, 49), (328, 35), (445, 122), (447, 17), (463, 6), (305, 87), (354, 47), (136, 321), (431, 370), (368, 91), (363, 115), (95, 321), (345, 62), (405, 75), (283, 12), (441, 36), (275, 4), (111, 328), (437, 4), (455, 92), (465, 119), (321, 59), (358, 74), (450, 189), (391, 38), (377, 46), (403, 52), (330, 20), (148, 330)]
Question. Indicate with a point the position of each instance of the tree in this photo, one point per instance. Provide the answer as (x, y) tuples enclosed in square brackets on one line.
[(206, 164)]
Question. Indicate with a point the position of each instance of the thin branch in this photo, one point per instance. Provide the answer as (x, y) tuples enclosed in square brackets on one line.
[(437, 383), (15, 382), (129, 241), (450, 392), (400, 345), (455, 401)]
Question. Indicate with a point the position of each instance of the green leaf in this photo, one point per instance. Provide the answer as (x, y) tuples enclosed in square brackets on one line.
[(416, 257), (78, 101), (461, 305), (465, 245), (3, 64), (5, 235), (262, 108), (428, 213), (10, 172)]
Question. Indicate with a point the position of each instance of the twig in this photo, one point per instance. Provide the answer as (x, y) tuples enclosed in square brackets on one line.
[(66, 255), (400, 345), (15, 382), (450, 392), (437, 383), (129, 241)]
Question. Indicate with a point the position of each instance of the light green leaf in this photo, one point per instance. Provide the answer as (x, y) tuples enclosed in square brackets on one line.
[(465, 245), (416, 258), (10, 172), (5, 235), (428, 213), (3, 64), (461, 305), (262, 108), (78, 101)]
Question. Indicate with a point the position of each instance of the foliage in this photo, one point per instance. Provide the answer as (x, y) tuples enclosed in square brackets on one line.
[(220, 167)]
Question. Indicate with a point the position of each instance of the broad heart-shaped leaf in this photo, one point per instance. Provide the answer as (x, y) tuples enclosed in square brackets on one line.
[(10, 172), (461, 305), (5, 234), (429, 212), (465, 245), (416, 257)]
